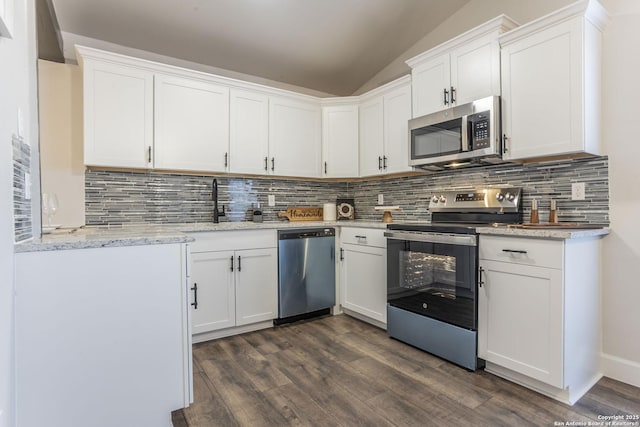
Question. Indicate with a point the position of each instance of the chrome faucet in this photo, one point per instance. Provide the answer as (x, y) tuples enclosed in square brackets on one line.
[(214, 196)]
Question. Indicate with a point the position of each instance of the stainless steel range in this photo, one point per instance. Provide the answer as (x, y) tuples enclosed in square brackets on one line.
[(432, 272)]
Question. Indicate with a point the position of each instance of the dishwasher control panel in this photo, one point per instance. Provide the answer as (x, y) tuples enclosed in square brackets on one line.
[(306, 233)]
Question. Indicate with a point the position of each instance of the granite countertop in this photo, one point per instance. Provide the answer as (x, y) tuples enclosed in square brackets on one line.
[(552, 233), (153, 234)]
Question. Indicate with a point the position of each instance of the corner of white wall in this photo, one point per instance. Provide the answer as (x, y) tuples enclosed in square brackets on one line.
[(620, 357)]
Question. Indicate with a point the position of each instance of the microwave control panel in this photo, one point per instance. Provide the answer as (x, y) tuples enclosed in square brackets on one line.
[(480, 136)]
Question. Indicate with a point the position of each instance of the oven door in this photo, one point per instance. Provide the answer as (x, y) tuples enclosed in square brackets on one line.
[(434, 275)]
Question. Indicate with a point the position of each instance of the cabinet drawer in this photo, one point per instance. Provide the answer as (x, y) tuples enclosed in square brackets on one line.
[(363, 236), (233, 240), (517, 250)]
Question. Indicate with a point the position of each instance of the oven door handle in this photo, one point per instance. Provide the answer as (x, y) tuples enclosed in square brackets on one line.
[(448, 239)]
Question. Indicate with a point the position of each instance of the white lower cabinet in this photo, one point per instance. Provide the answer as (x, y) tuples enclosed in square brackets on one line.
[(538, 312), (234, 280), (213, 304), (363, 274), (104, 331)]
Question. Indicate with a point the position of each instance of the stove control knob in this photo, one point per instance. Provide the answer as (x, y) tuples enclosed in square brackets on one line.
[(499, 197), (443, 199), (510, 197), (435, 199)]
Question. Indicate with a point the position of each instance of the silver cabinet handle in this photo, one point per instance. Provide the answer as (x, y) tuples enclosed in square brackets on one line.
[(453, 95), (446, 96)]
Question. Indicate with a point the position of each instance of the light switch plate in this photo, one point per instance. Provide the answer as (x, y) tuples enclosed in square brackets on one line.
[(577, 191), (381, 199), (271, 199)]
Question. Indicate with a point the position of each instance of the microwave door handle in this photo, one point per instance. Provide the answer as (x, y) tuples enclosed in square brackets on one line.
[(465, 133)]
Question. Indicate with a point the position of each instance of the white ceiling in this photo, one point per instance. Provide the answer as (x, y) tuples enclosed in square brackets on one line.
[(333, 46)]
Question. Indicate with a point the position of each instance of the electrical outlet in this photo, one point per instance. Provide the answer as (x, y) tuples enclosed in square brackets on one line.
[(577, 191), (380, 199), (271, 199)]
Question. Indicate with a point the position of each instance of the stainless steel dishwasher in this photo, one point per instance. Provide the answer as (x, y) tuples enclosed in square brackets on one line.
[(306, 273)]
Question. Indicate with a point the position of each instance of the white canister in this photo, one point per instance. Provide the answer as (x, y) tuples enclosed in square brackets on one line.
[(329, 212)]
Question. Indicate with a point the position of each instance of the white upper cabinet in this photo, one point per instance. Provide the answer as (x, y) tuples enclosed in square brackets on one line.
[(430, 85), (551, 84), (459, 71), (397, 112), (294, 137), (475, 70), (371, 136), (384, 140), (191, 125), (340, 141), (249, 132), (118, 115)]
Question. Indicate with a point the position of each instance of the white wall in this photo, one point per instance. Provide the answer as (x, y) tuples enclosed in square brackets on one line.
[(17, 91), (61, 150), (621, 273)]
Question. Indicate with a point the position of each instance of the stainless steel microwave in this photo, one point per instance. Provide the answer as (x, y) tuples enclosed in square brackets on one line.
[(460, 136)]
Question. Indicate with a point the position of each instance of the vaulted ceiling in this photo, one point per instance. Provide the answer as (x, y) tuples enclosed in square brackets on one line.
[(333, 46)]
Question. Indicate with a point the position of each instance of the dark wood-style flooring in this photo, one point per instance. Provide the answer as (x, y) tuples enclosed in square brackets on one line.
[(338, 371)]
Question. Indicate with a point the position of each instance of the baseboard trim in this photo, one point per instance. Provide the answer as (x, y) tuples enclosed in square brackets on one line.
[(364, 318), (568, 395), (222, 333), (617, 368)]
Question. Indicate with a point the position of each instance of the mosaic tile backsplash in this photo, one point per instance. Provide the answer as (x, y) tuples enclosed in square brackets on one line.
[(146, 197), (22, 218)]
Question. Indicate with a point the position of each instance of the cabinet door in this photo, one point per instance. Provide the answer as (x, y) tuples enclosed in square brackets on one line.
[(520, 319), (542, 92), (397, 112), (364, 281), (429, 82), (371, 136), (475, 70), (212, 273), (294, 138), (249, 132), (118, 115), (340, 141), (256, 285), (191, 125)]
